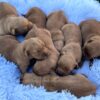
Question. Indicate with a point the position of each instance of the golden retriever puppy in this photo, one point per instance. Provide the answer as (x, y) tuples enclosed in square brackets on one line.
[(91, 38), (10, 22), (56, 20), (22, 53), (71, 53), (36, 16), (46, 66), (77, 84), (58, 39)]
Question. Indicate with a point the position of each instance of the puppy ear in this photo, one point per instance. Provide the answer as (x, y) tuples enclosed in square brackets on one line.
[(25, 51)]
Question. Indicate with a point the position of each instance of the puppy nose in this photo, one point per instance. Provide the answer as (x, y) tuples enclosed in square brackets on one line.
[(21, 80), (86, 51)]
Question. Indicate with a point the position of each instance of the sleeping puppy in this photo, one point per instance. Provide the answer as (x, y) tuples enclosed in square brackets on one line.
[(46, 66), (10, 22), (56, 20), (77, 84), (58, 39), (54, 23), (91, 38), (71, 53), (22, 53), (36, 16)]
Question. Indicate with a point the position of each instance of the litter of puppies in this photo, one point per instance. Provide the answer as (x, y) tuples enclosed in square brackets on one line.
[(56, 44)]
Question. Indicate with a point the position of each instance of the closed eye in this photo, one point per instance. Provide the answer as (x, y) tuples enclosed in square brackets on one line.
[(90, 41)]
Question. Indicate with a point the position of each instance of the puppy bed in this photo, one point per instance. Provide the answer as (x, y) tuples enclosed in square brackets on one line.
[(76, 11)]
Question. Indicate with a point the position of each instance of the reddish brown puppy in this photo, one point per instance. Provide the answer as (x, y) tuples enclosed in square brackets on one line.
[(56, 20), (10, 22), (54, 23), (71, 53), (22, 53), (91, 38), (36, 16), (76, 84), (46, 66)]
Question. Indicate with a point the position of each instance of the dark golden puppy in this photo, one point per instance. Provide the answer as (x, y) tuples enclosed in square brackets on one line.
[(71, 53), (76, 84), (7, 9), (36, 16), (56, 20), (21, 53), (46, 66), (91, 38), (10, 22), (58, 39)]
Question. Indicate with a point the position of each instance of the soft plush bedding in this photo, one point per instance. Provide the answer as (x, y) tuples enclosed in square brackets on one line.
[(76, 11)]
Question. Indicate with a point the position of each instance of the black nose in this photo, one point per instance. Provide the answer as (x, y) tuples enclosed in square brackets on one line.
[(86, 51), (21, 80)]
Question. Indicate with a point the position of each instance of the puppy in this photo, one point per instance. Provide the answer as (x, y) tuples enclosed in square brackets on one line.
[(46, 66), (7, 9), (56, 20), (10, 22), (58, 39), (77, 84), (36, 16), (91, 38), (22, 53), (71, 53)]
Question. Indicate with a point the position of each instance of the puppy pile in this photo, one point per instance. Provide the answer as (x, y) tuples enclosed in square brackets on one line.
[(56, 44)]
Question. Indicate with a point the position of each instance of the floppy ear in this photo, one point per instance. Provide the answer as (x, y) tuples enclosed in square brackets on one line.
[(25, 51), (13, 31)]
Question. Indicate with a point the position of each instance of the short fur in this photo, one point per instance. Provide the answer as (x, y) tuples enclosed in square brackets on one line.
[(36, 16), (71, 53), (21, 53), (56, 20), (58, 39), (77, 84), (91, 38), (10, 22), (45, 66)]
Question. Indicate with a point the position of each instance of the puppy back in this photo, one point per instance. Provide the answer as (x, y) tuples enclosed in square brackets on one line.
[(7, 9)]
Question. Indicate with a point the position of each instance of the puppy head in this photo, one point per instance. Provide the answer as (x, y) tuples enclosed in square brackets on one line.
[(91, 48), (35, 48), (66, 64), (20, 25)]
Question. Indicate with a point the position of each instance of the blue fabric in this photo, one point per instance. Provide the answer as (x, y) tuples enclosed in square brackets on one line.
[(76, 11)]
